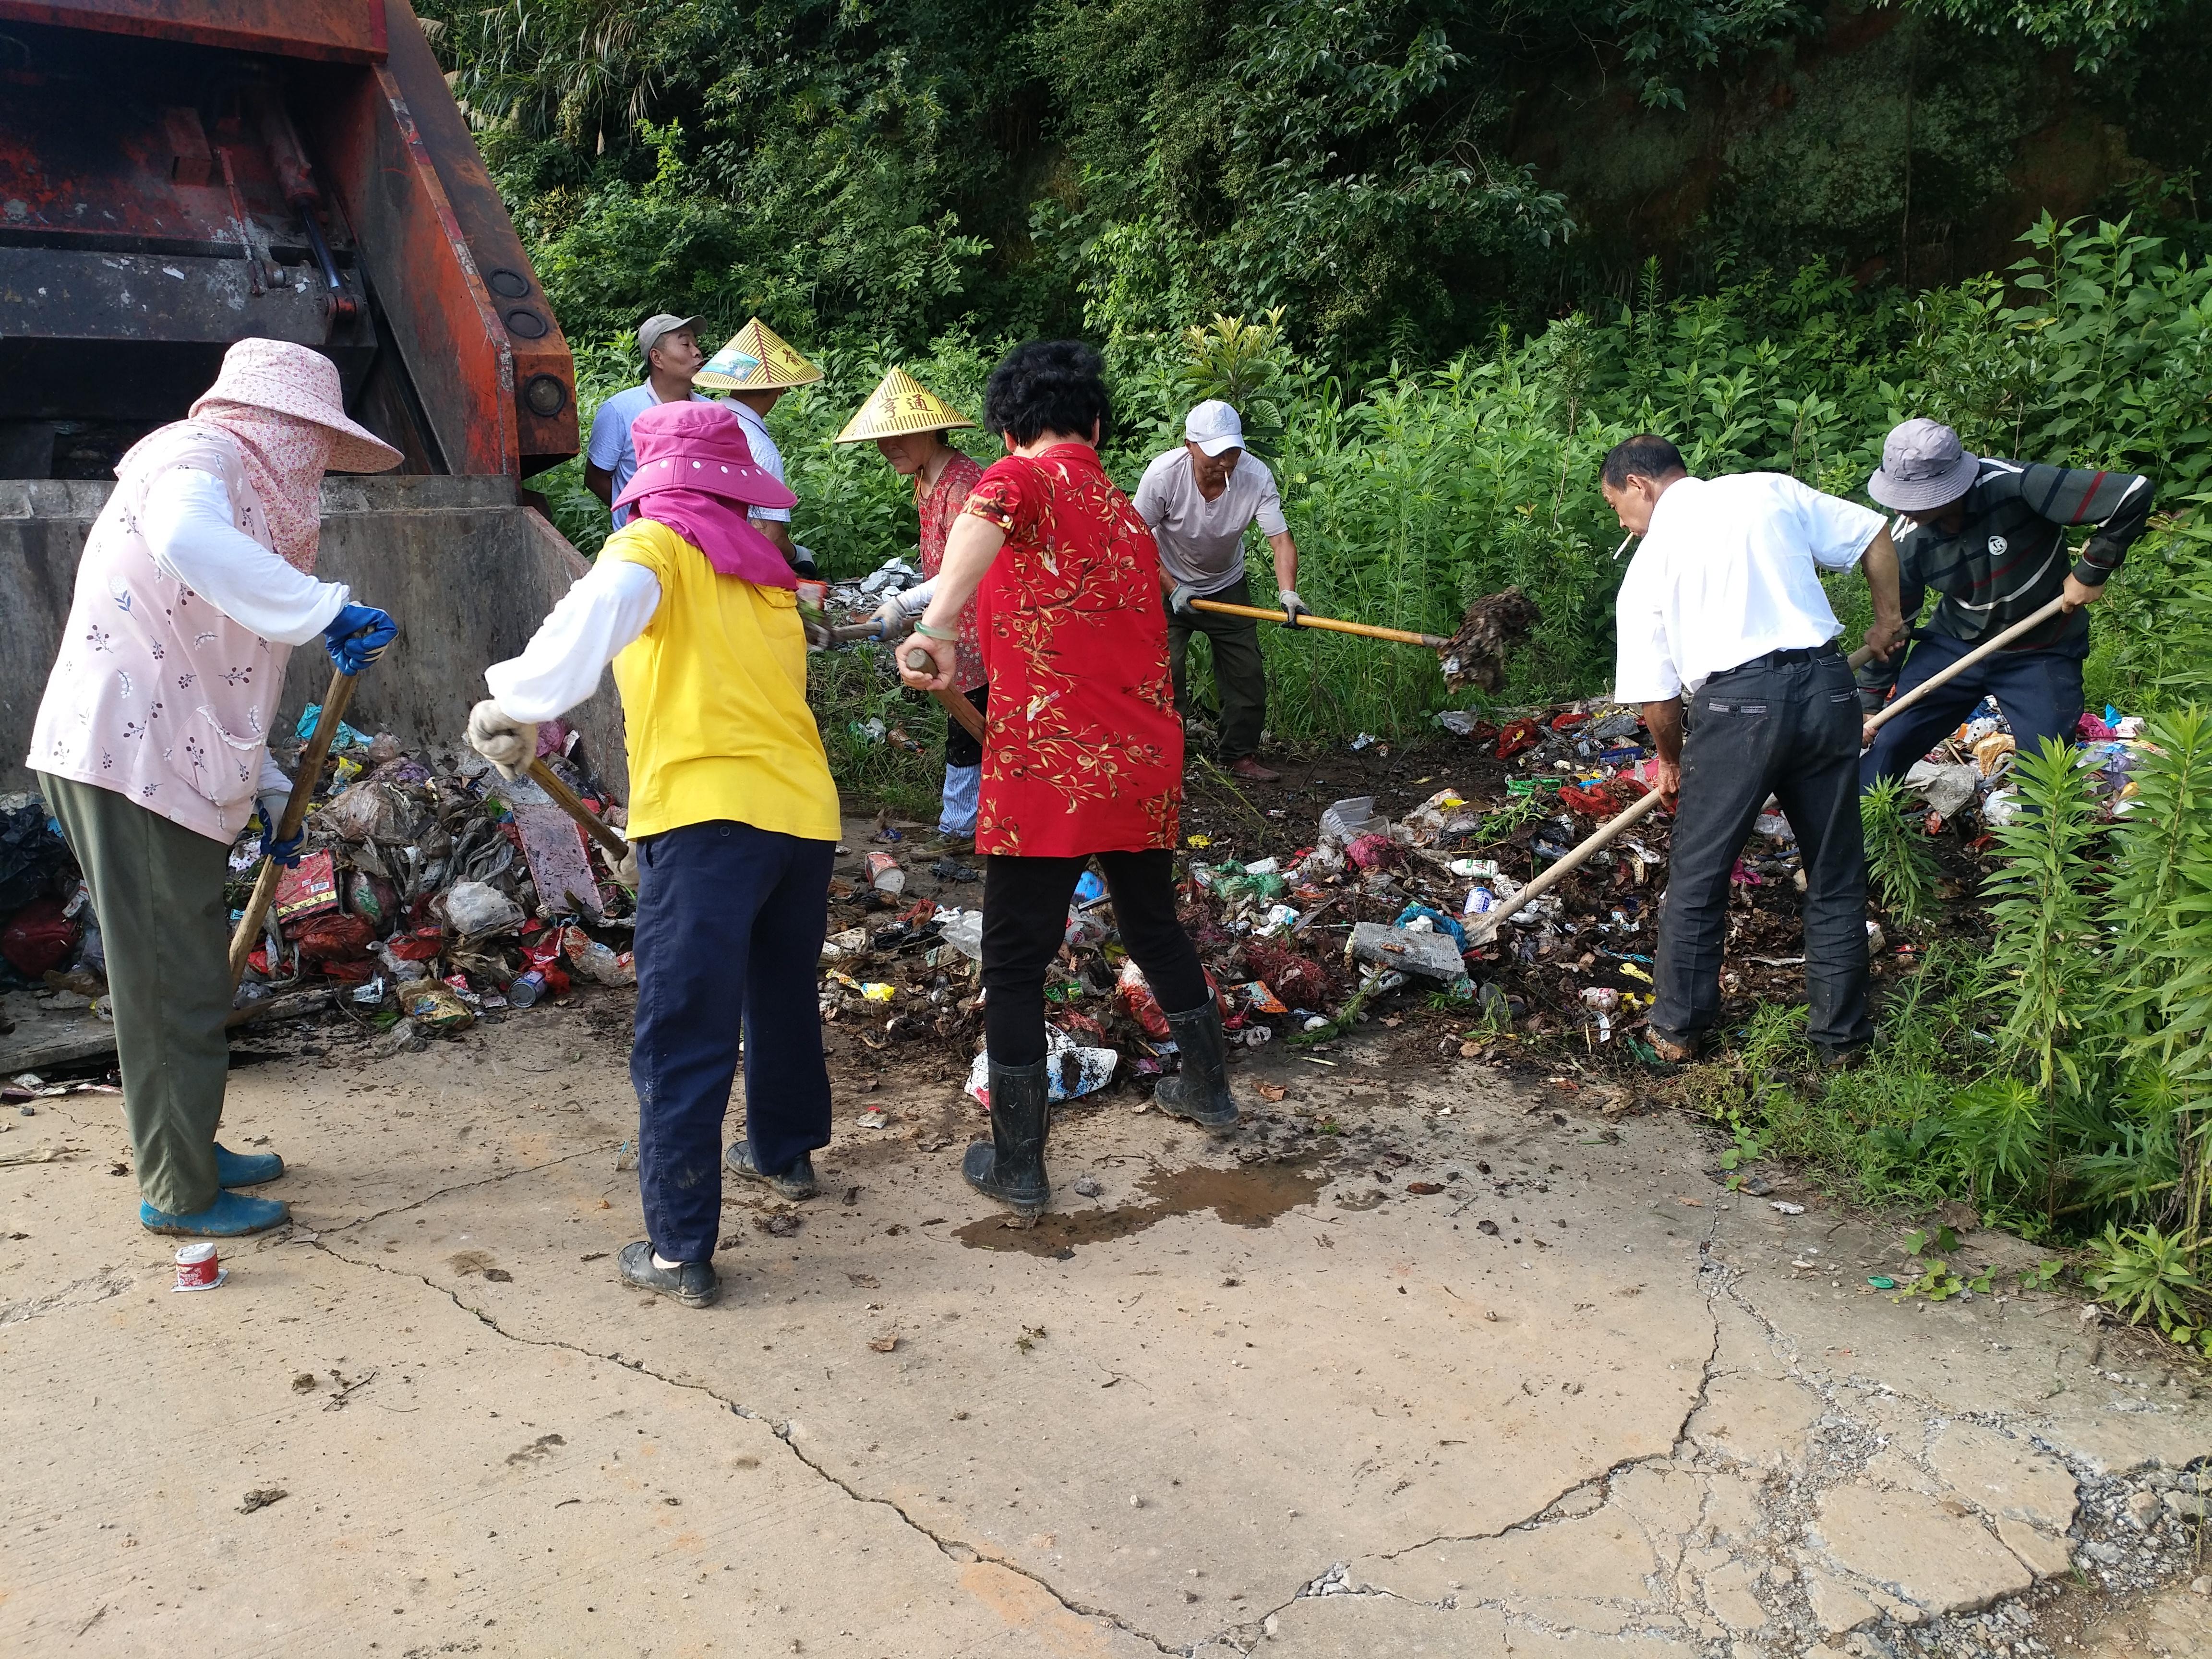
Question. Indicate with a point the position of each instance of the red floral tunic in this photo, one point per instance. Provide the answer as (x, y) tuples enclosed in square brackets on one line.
[(938, 505), (1084, 752)]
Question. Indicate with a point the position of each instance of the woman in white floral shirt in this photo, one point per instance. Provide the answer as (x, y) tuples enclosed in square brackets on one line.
[(153, 738)]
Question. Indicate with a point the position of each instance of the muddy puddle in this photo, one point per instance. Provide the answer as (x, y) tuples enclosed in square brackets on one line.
[(1250, 1195)]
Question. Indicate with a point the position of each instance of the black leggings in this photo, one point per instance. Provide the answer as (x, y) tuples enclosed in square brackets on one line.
[(1025, 919)]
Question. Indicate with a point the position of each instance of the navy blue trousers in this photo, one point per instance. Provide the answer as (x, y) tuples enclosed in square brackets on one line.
[(730, 921), (2039, 691)]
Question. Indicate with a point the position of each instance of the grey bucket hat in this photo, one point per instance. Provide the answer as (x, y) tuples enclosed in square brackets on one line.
[(1923, 466)]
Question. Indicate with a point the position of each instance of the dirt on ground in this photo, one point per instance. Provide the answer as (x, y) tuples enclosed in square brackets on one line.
[(1422, 1359)]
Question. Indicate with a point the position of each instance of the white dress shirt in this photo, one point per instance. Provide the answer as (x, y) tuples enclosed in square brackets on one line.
[(1729, 570)]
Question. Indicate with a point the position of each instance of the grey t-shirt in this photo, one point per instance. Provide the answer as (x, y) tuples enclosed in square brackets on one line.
[(1202, 542)]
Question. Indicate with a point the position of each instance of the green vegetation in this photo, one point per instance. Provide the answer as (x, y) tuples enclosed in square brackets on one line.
[(2060, 1080), (1416, 492)]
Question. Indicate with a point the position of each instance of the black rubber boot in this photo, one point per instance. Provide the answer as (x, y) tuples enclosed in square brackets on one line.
[(1201, 1091), (1011, 1167)]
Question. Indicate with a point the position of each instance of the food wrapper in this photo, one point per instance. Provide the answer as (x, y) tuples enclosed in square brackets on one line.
[(431, 1003), (307, 889)]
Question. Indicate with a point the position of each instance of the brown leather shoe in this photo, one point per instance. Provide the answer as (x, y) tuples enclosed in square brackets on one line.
[(1252, 772)]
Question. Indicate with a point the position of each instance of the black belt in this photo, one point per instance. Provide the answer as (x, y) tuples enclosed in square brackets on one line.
[(1796, 653)]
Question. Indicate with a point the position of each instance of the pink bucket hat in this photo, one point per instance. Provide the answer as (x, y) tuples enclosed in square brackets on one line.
[(295, 381), (699, 445), (695, 474)]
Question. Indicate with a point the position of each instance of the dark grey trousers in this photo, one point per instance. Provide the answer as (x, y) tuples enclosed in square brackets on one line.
[(1790, 730), (1240, 675)]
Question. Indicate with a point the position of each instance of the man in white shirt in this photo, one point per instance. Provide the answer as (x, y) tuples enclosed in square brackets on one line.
[(1722, 605), (1199, 500), (670, 347)]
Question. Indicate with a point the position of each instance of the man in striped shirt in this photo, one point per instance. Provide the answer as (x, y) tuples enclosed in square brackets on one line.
[(1990, 537)]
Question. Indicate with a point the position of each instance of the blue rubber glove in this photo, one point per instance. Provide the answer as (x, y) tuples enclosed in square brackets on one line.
[(357, 636), (285, 854)]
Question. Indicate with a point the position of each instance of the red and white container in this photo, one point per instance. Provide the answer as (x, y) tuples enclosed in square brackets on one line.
[(197, 1269)]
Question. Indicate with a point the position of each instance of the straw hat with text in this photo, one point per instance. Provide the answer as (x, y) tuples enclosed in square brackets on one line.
[(755, 359), (900, 405)]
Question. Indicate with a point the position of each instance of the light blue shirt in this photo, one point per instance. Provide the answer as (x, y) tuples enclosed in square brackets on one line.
[(766, 456), (610, 449)]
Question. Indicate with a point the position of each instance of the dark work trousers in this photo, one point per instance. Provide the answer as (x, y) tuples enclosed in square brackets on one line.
[(730, 921), (1240, 676), (2039, 691), (1025, 920), (960, 749), (1790, 729)]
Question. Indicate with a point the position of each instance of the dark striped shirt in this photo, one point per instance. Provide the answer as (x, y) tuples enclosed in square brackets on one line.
[(2008, 557)]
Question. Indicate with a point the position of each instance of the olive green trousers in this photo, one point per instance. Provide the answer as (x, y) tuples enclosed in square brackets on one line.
[(157, 889)]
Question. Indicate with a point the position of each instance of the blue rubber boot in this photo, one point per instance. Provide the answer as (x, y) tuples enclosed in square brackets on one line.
[(231, 1216), (246, 1169)]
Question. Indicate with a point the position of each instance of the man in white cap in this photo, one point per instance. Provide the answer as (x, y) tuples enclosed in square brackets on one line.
[(1990, 537), (1722, 607), (152, 742), (669, 347), (1199, 500)]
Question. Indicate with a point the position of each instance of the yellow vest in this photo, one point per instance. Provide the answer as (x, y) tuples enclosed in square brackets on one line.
[(715, 699)]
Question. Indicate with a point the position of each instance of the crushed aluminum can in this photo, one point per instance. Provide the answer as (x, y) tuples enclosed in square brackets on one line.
[(199, 1269)]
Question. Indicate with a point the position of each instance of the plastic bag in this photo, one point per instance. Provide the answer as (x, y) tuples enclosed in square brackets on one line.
[(1346, 820), (476, 909), (963, 931), (37, 937), (335, 940), (403, 970), (1071, 1070)]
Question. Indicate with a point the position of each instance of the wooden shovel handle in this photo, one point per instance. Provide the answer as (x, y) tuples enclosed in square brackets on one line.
[(1307, 619), (567, 800), (308, 774), (1898, 705)]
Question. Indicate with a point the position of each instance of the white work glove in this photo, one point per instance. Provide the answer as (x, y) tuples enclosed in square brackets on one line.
[(891, 621), (508, 743), (1293, 606), (625, 868), (1179, 601)]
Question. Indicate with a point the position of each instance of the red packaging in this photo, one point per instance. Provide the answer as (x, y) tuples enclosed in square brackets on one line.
[(420, 946), (307, 889), (334, 939), (39, 937), (1376, 852), (1568, 722), (1515, 737)]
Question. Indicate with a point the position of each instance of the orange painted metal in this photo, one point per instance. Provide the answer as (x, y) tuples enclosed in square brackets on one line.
[(334, 31), (539, 348), (374, 162)]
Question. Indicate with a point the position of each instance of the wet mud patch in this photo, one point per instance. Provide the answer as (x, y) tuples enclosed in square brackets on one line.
[(1249, 1195)]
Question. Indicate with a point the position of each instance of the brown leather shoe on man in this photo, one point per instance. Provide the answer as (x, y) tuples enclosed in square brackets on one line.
[(1252, 772)]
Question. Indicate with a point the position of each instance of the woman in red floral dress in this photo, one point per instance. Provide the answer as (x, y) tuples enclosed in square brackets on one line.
[(1082, 753)]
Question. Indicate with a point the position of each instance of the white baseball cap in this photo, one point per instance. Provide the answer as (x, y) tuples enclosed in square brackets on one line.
[(1213, 427)]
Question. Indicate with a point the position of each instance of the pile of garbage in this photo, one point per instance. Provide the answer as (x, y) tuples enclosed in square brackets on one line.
[(428, 895), (1966, 778), (1301, 945)]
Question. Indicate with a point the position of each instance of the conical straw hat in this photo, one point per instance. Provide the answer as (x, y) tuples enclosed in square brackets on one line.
[(902, 403), (756, 360)]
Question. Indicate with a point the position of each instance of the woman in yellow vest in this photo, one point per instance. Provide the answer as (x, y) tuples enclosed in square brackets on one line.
[(732, 819)]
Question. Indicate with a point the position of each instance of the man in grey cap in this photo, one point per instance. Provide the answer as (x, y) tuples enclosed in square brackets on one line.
[(1199, 500), (1990, 537), (670, 347)]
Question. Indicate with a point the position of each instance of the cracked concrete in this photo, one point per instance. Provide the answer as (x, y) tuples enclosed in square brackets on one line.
[(1642, 1416)]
